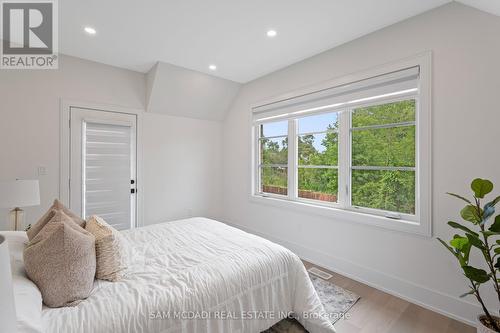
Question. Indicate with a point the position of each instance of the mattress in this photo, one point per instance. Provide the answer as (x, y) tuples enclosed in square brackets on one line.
[(196, 275)]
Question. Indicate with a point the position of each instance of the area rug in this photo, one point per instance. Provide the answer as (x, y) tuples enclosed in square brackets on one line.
[(336, 301)]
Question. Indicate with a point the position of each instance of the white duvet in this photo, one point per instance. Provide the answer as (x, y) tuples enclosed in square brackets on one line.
[(196, 275)]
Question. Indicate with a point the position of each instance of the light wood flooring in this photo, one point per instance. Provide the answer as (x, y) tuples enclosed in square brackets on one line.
[(379, 312)]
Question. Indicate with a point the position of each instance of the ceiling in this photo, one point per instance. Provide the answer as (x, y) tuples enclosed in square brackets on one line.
[(228, 33), (490, 6)]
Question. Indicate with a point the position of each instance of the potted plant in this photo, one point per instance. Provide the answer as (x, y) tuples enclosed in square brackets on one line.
[(482, 236)]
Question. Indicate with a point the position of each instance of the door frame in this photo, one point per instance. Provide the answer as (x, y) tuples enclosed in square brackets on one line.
[(65, 149)]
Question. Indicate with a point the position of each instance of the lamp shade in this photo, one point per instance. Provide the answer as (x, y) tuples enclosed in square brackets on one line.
[(19, 193), (8, 320)]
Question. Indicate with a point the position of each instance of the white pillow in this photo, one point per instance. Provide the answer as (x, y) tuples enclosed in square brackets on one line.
[(27, 297), (109, 249)]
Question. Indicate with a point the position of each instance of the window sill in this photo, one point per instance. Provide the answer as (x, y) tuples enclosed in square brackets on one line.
[(344, 215)]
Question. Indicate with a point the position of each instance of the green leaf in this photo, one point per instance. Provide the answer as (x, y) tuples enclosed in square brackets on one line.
[(461, 227), (475, 241), (494, 201), (470, 213), (495, 227), (489, 233), (475, 274), (459, 242), (497, 250), (460, 197), (470, 292), (497, 265), (481, 187), (448, 247), (462, 246)]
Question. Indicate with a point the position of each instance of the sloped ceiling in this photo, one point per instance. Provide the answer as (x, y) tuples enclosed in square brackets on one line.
[(231, 34), (228, 33), (490, 6), (178, 91)]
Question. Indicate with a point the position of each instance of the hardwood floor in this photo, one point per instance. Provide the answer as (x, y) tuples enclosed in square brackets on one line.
[(379, 312)]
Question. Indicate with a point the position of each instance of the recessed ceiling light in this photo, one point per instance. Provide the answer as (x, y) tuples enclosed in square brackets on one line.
[(271, 33), (90, 30), (212, 67)]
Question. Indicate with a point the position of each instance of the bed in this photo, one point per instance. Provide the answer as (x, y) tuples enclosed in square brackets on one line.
[(196, 275)]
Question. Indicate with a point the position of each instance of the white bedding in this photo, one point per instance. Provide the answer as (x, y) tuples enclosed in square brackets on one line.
[(196, 268)]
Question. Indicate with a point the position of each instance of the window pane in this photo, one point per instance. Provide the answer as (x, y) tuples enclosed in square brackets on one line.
[(384, 147), (387, 190), (318, 123), (274, 129), (318, 184), (318, 149), (274, 151), (274, 180), (384, 114)]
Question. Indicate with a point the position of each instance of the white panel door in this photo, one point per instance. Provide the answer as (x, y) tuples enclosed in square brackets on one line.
[(103, 166)]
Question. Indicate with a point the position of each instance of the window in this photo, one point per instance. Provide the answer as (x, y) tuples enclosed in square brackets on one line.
[(383, 157), (273, 167), (358, 151), (317, 145)]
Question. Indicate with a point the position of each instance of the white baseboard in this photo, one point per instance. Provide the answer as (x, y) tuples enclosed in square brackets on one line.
[(434, 300)]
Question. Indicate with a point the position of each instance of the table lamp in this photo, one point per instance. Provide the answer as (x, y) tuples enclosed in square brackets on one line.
[(19, 193), (8, 321)]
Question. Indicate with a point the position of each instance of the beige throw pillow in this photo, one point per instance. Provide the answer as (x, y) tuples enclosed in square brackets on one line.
[(61, 261), (109, 249), (57, 205)]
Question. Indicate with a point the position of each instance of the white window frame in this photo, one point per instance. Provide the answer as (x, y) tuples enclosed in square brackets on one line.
[(296, 165), (259, 164), (420, 223)]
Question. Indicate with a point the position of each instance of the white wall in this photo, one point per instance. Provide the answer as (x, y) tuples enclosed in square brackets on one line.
[(29, 137), (466, 114), (182, 167)]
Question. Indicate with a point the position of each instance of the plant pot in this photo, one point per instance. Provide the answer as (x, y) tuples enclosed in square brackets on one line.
[(480, 326)]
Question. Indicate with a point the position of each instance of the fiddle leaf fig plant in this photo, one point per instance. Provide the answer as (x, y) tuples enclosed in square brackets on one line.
[(481, 236)]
